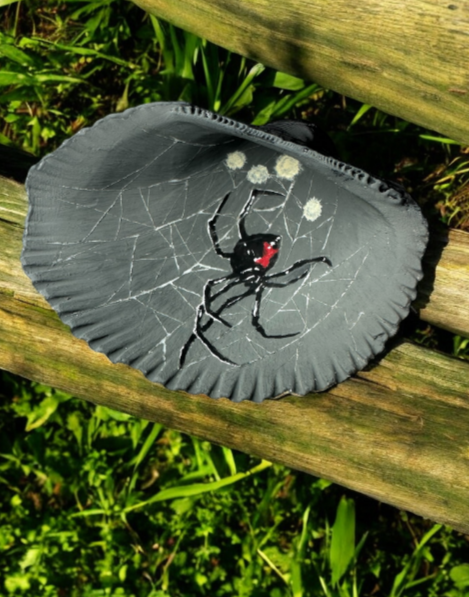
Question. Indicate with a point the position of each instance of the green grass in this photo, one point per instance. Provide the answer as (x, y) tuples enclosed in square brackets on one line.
[(94, 502), (64, 66)]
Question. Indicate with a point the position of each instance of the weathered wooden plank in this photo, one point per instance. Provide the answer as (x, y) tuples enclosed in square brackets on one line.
[(410, 59), (397, 432), (444, 292)]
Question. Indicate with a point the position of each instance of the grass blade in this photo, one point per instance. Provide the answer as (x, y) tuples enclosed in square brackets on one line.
[(359, 115), (199, 488), (235, 103), (285, 81), (443, 140), (16, 55), (147, 445), (230, 460), (288, 102), (273, 567), (85, 52), (342, 546), (8, 78)]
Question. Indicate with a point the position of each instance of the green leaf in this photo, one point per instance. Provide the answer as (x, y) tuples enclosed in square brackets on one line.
[(296, 579), (30, 558), (74, 424), (199, 488), (182, 505), (16, 55), (443, 140), (85, 52), (244, 91), (342, 546), (57, 79), (8, 78), (405, 578), (460, 575), (265, 114), (41, 413), (159, 32), (285, 81), (274, 552), (399, 581), (229, 459), (290, 101), (191, 45), (4, 140), (17, 582), (361, 112), (7, 2), (212, 72), (22, 94), (304, 532), (148, 444), (92, 512), (200, 473), (122, 574), (105, 413), (426, 538)]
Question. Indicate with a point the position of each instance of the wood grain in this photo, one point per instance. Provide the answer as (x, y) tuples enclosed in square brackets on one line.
[(397, 431), (410, 59), (444, 292)]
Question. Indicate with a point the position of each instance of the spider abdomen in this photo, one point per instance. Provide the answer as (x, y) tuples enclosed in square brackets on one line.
[(255, 255)]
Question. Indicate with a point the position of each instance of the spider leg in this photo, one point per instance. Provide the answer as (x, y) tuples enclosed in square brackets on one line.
[(233, 300), (247, 208), (198, 332), (292, 268), (212, 229), (185, 349), (208, 298), (256, 315)]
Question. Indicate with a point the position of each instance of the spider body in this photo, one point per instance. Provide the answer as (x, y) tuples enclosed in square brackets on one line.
[(253, 256)]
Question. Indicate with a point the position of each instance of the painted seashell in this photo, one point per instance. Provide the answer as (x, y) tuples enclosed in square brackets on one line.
[(220, 258)]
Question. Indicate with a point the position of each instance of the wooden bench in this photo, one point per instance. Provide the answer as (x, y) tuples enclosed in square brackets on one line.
[(398, 431)]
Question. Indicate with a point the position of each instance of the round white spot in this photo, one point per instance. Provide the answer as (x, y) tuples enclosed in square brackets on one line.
[(287, 167), (258, 174), (235, 160), (312, 209)]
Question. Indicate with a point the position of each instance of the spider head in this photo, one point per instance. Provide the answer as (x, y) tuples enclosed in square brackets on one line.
[(256, 254)]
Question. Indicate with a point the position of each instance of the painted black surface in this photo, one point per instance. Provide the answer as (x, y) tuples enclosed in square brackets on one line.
[(218, 258)]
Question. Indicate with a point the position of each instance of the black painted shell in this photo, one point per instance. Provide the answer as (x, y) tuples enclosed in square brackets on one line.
[(119, 241)]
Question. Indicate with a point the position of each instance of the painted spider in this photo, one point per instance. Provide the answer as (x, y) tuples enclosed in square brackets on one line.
[(253, 256)]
